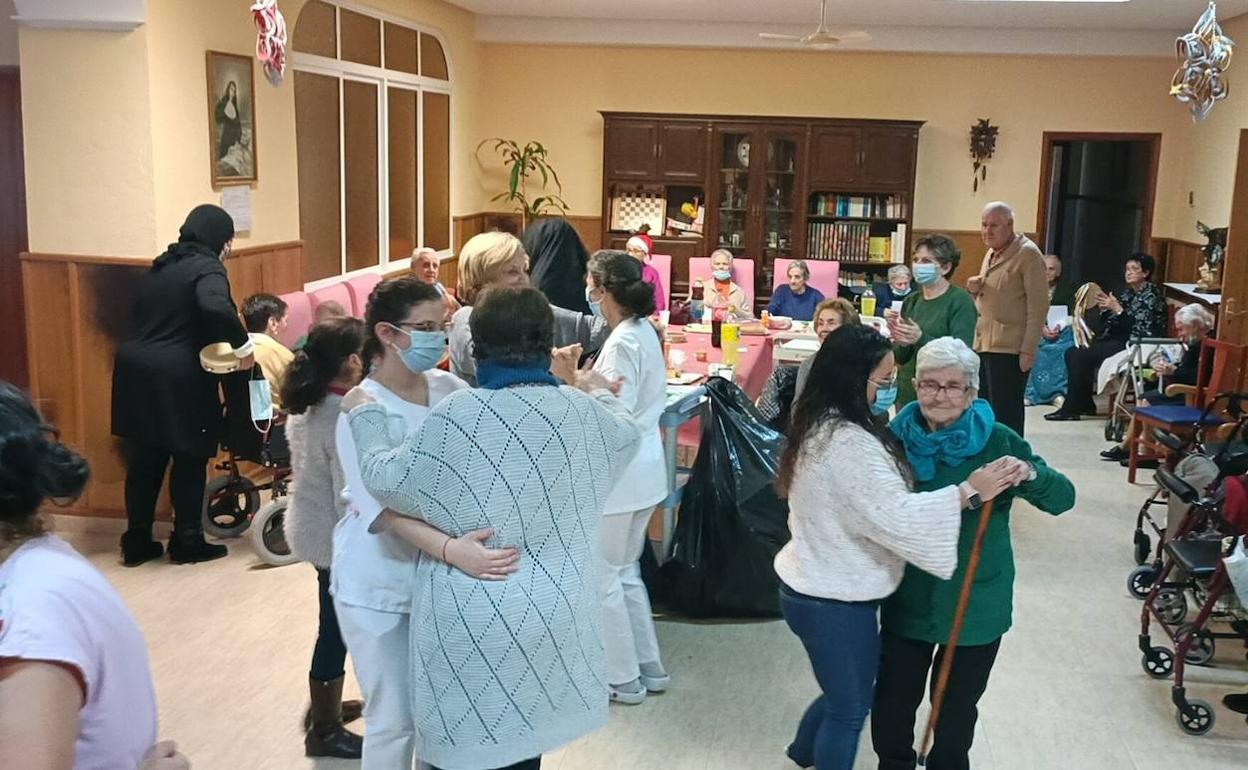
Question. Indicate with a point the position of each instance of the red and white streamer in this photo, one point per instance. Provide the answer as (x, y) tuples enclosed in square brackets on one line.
[(270, 39)]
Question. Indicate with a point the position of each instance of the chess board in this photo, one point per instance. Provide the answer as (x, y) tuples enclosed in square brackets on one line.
[(630, 210)]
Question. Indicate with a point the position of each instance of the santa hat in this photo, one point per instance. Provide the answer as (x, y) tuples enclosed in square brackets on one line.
[(640, 241)]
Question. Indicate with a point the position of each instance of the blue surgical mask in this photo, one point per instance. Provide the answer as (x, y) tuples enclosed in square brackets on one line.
[(722, 275), (884, 399), (424, 350), (925, 273), (595, 308), (900, 292)]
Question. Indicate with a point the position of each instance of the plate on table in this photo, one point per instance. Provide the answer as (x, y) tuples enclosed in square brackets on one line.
[(698, 328), (779, 322)]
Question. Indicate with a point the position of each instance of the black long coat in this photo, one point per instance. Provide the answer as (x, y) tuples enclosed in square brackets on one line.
[(162, 397)]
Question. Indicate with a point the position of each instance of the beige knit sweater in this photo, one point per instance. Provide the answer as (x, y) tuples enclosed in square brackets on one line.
[(1013, 300), (316, 502), (855, 522)]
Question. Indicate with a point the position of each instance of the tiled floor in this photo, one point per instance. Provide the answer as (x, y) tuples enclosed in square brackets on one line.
[(230, 643)]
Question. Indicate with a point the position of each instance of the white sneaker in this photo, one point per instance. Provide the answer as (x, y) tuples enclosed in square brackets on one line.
[(654, 677), (629, 694)]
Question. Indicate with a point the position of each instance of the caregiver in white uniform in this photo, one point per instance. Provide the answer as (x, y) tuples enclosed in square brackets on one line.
[(375, 554), (633, 355)]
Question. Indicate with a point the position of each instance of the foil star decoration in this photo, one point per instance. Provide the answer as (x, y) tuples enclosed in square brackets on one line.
[(1204, 54)]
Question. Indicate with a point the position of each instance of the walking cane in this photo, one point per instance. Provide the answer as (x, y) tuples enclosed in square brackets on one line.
[(959, 615)]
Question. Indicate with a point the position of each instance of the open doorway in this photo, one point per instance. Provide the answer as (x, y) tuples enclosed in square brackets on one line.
[(1096, 201)]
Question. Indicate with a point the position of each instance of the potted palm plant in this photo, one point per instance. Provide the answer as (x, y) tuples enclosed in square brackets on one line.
[(524, 164)]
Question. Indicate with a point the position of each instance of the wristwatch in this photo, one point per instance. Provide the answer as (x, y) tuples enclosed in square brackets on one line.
[(973, 500)]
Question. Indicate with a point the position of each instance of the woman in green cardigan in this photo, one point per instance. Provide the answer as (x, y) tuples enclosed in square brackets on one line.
[(948, 434), (938, 309)]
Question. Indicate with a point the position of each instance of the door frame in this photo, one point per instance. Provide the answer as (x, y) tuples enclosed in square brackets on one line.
[(1051, 138)]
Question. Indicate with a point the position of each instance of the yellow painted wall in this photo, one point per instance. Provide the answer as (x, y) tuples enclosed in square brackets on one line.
[(553, 93), (86, 126), (1210, 170), (179, 34)]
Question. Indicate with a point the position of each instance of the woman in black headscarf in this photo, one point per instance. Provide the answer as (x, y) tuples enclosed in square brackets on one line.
[(557, 260), (164, 404)]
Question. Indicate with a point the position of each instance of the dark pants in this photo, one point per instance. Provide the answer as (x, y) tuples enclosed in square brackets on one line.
[(904, 666), (1002, 384), (528, 764), (842, 640), (329, 656), (1081, 367), (145, 472)]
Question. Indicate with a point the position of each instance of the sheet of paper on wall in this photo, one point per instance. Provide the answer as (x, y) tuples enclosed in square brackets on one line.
[(237, 203), (1059, 316)]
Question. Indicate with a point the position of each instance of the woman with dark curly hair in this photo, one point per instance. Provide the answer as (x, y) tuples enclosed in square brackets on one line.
[(75, 690)]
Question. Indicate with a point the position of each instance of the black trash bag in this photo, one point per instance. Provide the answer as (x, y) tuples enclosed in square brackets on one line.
[(731, 521)]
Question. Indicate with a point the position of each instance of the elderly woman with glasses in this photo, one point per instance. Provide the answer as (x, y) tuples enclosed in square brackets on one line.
[(947, 435)]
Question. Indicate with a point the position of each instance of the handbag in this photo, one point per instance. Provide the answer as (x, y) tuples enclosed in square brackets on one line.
[(680, 314)]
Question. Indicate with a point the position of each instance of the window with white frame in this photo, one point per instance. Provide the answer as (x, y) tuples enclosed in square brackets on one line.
[(373, 136)]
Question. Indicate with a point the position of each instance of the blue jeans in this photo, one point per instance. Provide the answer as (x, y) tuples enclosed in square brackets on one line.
[(843, 642)]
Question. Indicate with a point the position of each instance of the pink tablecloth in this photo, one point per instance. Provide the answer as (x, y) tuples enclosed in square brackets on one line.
[(754, 366)]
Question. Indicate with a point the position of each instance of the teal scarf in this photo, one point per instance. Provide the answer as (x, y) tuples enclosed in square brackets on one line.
[(495, 375), (952, 445)]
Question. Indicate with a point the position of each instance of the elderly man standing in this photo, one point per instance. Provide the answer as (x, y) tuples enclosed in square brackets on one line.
[(1012, 295)]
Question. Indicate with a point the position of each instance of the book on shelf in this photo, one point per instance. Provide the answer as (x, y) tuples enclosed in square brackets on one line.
[(899, 245), (859, 206)]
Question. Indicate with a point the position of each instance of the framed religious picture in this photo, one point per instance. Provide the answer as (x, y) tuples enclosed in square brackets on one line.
[(231, 119)]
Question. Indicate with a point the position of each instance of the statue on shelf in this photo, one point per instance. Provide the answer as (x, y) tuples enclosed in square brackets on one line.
[(1210, 281)]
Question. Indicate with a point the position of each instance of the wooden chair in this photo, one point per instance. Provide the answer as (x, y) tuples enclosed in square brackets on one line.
[(1222, 375)]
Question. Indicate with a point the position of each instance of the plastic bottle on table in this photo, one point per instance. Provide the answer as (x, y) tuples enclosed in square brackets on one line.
[(868, 302)]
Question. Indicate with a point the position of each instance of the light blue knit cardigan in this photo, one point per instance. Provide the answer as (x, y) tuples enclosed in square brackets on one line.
[(505, 671)]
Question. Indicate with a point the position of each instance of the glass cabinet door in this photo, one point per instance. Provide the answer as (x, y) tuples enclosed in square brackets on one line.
[(780, 192), (734, 201)]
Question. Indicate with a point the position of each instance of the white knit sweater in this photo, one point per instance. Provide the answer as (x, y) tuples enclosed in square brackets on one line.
[(505, 671), (855, 523), (316, 502)]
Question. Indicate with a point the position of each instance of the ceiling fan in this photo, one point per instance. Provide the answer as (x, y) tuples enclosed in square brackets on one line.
[(822, 38)]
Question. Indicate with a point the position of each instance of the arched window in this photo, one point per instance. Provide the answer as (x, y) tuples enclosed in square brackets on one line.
[(373, 134)]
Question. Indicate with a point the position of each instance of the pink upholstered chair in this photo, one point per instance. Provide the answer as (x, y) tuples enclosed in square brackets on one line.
[(360, 287), (337, 292), (298, 317), (742, 274), (662, 263), (824, 275)]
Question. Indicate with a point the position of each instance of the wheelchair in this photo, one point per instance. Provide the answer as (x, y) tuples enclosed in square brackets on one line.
[(232, 501)]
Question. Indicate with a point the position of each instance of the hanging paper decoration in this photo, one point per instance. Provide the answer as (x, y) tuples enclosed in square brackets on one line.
[(1204, 54), (983, 145), (270, 39)]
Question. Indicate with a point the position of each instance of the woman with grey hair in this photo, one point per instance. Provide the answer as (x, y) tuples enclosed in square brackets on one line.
[(896, 289), (947, 435), (939, 309), (1193, 323), (795, 299)]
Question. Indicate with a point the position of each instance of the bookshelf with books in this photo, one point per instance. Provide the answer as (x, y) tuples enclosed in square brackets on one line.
[(866, 230)]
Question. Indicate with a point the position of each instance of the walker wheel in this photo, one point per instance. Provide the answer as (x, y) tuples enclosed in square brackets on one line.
[(1143, 547), (1141, 580), (1158, 662), (268, 534), (229, 503), (1202, 649), (1171, 606), (1196, 719)]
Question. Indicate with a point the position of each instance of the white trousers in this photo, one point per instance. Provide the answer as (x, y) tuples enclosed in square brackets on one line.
[(627, 625), (379, 647)]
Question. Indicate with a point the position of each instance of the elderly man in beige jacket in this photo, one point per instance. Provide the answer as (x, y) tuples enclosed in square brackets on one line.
[(1012, 295)]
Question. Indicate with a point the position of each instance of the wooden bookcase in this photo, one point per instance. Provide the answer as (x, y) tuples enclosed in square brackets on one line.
[(759, 179)]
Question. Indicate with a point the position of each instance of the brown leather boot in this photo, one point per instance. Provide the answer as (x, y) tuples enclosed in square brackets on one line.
[(327, 737)]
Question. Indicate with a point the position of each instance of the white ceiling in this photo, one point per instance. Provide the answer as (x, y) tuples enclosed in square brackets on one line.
[(1170, 15), (1137, 27)]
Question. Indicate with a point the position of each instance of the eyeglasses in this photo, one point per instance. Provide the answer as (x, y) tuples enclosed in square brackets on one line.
[(890, 382), (930, 388), (424, 326)]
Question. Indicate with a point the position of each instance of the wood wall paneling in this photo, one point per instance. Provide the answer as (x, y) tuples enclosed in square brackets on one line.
[(12, 229), (78, 308), (316, 141), (436, 169), (360, 105)]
